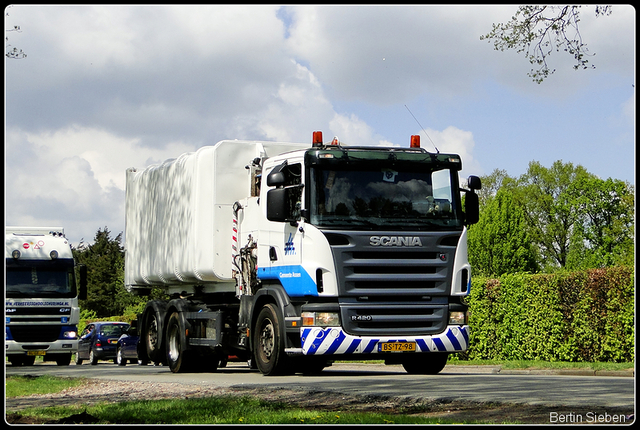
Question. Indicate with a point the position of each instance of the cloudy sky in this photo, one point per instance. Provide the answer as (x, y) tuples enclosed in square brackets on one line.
[(104, 88)]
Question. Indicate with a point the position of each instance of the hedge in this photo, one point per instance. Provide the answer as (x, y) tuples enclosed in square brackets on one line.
[(579, 316)]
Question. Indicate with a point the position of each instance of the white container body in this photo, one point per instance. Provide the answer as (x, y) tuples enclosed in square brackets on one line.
[(179, 215)]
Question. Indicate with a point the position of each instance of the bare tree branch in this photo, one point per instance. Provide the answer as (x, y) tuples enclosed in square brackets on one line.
[(537, 31)]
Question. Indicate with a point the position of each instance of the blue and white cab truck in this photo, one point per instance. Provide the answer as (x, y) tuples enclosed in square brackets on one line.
[(41, 296), (292, 256)]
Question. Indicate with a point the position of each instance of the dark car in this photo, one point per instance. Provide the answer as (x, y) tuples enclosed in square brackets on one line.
[(127, 348), (99, 341)]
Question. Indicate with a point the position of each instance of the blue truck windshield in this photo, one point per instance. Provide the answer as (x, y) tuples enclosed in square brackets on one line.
[(384, 198)]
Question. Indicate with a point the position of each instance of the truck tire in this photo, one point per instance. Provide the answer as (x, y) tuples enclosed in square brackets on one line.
[(426, 364), (151, 336), (268, 343), (64, 360), (177, 357)]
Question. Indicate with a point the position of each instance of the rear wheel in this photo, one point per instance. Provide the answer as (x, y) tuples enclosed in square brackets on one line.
[(268, 343), (92, 358), (177, 356)]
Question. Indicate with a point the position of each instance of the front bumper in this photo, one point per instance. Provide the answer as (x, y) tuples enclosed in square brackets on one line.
[(335, 341), (57, 347)]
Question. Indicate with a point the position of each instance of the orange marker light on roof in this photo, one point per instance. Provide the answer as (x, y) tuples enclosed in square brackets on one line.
[(317, 138), (415, 141)]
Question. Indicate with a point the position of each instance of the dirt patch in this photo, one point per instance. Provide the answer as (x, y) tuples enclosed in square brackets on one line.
[(452, 410)]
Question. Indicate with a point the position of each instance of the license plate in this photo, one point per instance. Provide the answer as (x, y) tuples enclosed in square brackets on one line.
[(396, 347), (114, 341), (36, 353)]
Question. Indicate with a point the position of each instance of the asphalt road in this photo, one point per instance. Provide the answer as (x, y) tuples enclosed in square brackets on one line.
[(465, 383)]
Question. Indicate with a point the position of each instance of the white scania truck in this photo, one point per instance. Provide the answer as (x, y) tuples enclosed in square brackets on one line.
[(292, 256), (41, 306)]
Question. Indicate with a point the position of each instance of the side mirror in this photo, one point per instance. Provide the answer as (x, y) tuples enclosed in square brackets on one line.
[(283, 204), (277, 204), (473, 182), (275, 179), (471, 208)]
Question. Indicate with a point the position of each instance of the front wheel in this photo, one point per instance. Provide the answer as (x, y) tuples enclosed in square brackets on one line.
[(426, 364), (268, 342), (65, 360)]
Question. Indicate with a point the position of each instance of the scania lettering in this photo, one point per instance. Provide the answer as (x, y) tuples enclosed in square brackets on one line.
[(41, 307), (293, 255), (395, 241)]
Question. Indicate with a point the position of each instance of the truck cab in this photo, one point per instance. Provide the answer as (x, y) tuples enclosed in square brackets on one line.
[(42, 294)]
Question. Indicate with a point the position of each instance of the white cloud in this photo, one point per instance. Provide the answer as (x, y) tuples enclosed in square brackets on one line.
[(76, 173), (456, 141)]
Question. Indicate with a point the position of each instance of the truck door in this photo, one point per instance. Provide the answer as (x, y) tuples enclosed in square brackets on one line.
[(284, 205)]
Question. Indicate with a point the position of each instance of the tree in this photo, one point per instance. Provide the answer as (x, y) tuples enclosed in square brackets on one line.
[(13, 53), (499, 243), (492, 183), (606, 208), (551, 212), (105, 267), (537, 31)]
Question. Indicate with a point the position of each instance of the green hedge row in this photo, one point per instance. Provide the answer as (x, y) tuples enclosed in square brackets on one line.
[(580, 316)]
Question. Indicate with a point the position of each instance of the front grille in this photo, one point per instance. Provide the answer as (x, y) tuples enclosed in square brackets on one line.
[(397, 319), (394, 290), (35, 333)]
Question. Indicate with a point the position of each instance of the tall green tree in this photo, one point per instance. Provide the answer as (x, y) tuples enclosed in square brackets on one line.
[(550, 209), (499, 243), (105, 267), (607, 225)]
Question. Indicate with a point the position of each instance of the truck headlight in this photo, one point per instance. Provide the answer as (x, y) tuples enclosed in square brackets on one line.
[(70, 334), (458, 318), (322, 319)]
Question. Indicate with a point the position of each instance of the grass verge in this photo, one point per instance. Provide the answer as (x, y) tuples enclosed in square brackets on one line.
[(218, 410), (16, 386)]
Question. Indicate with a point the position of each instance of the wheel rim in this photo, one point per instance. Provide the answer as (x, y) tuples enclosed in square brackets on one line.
[(267, 340), (174, 344), (152, 334)]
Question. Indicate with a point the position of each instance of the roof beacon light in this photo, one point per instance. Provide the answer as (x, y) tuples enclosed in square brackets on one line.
[(415, 141), (317, 138), (335, 141)]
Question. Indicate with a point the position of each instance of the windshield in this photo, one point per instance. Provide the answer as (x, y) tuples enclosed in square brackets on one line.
[(384, 198), (40, 282)]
